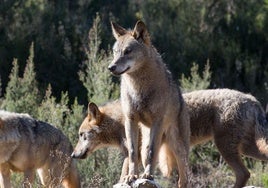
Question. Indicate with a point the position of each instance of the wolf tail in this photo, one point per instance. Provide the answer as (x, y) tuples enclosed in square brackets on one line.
[(261, 129)]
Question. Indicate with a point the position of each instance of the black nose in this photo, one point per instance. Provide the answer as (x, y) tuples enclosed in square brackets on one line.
[(112, 68), (73, 155)]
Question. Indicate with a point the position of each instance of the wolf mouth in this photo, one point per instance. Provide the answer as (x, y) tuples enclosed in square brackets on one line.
[(84, 155), (115, 73)]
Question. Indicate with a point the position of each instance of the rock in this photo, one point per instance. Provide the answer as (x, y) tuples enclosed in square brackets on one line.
[(139, 183), (121, 185)]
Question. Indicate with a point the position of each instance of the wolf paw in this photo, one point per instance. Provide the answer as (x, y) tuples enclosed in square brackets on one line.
[(147, 176), (130, 178)]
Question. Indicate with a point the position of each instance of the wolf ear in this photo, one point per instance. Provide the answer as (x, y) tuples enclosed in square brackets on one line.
[(118, 30), (94, 111), (141, 33)]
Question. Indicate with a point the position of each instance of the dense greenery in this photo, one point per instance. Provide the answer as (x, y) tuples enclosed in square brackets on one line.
[(232, 35), (54, 57)]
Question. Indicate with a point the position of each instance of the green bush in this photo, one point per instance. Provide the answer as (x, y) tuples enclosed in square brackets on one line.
[(22, 94), (195, 81)]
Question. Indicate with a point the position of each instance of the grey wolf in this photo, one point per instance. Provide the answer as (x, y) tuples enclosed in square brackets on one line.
[(234, 120), (150, 101), (28, 145), (102, 127)]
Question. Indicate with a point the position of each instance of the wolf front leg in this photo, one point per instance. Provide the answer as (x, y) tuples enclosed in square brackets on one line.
[(124, 171), (132, 135), (151, 139), (5, 176)]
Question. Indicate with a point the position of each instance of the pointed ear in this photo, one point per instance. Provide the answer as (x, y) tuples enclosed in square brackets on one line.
[(94, 112), (118, 30), (141, 33)]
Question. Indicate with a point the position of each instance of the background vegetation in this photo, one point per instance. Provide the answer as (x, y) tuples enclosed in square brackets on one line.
[(54, 57)]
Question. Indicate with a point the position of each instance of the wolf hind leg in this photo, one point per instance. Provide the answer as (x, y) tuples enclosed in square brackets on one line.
[(177, 139), (252, 150), (230, 152), (166, 160), (180, 152)]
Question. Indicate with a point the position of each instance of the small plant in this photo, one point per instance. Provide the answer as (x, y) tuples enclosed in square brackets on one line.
[(195, 81), (22, 93), (94, 72)]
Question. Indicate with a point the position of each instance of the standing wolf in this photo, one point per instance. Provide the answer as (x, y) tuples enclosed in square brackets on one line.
[(27, 145), (234, 120), (151, 98)]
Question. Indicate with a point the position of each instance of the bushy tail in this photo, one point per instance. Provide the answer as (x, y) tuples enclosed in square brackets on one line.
[(261, 129)]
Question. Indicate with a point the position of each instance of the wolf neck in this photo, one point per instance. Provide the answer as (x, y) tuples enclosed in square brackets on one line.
[(153, 72), (114, 132)]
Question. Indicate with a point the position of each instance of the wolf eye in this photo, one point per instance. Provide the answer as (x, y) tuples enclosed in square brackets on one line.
[(84, 137), (127, 51)]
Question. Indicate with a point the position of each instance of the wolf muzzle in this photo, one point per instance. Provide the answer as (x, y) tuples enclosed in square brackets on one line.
[(79, 156), (117, 71), (112, 68)]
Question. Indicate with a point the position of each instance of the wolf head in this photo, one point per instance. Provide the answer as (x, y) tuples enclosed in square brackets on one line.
[(130, 49), (89, 133)]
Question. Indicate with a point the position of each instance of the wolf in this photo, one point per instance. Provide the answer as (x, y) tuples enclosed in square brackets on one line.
[(28, 145), (235, 121), (102, 127), (150, 98)]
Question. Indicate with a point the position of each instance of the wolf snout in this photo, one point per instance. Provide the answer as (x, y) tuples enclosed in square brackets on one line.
[(73, 155), (76, 155), (112, 68), (79, 154)]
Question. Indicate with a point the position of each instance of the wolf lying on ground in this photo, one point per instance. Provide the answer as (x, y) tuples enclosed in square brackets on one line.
[(28, 145), (234, 120), (151, 102)]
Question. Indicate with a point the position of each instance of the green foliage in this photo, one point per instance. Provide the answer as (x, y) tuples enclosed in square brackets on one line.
[(17, 180), (265, 180), (73, 121), (95, 75), (52, 112), (195, 81), (101, 169), (231, 33), (22, 94), (59, 114), (12, 89)]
